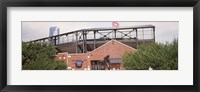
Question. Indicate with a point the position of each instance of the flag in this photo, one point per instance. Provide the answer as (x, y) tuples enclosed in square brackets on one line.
[(115, 24)]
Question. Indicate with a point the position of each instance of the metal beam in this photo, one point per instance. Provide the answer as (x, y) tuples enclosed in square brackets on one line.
[(79, 46), (154, 36), (94, 39), (115, 33), (54, 40), (76, 42), (83, 41), (136, 38)]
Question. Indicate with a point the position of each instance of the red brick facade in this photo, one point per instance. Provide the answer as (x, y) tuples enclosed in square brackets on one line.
[(113, 48)]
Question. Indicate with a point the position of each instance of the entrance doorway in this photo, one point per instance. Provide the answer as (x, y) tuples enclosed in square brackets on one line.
[(97, 65)]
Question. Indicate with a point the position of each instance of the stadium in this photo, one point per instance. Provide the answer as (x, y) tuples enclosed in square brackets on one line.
[(98, 48)]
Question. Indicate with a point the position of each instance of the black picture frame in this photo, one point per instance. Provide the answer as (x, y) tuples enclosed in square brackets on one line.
[(99, 3)]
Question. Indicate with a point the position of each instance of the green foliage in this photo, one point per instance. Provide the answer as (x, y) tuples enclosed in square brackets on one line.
[(159, 56), (40, 56)]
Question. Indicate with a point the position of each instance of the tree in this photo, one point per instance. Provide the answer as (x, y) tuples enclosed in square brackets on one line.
[(159, 56), (40, 56)]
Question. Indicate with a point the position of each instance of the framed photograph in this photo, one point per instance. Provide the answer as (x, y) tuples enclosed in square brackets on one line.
[(131, 45)]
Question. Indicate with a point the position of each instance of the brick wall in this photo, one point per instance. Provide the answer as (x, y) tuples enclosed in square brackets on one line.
[(113, 48)]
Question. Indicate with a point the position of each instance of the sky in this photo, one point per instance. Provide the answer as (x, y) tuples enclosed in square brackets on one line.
[(164, 30)]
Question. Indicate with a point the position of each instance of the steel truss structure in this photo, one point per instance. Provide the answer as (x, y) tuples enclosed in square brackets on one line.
[(84, 40)]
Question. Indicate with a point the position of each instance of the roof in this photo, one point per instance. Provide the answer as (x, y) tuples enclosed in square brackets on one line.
[(110, 42), (115, 60)]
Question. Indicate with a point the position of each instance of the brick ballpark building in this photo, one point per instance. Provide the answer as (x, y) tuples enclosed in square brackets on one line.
[(95, 49), (93, 60)]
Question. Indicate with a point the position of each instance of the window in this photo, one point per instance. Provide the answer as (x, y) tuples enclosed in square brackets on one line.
[(79, 63)]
